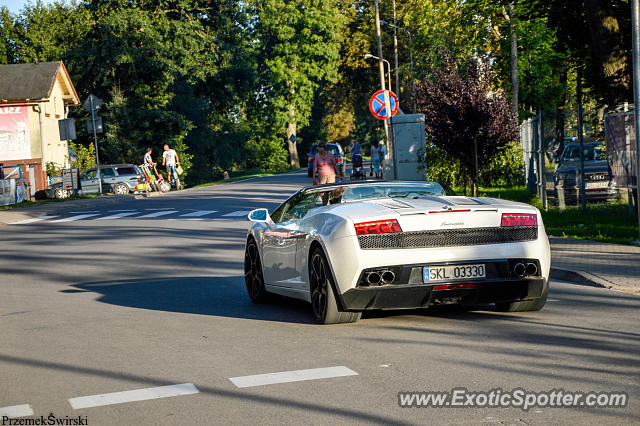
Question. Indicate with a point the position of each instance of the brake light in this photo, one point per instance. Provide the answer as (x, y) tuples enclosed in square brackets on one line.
[(338, 160), (453, 286), (519, 219), (378, 227), (310, 160)]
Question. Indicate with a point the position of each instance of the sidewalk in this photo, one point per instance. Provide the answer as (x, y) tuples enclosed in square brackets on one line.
[(607, 265)]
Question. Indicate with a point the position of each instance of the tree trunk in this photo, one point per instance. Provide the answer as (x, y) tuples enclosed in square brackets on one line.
[(514, 60), (609, 51), (294, 161)]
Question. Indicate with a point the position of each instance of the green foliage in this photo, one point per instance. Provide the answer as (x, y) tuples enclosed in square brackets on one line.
[(504, 170), (268, 154), (53, 169), (86, 156)]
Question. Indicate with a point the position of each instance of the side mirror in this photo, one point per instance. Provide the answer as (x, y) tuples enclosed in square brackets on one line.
[(260, 215)]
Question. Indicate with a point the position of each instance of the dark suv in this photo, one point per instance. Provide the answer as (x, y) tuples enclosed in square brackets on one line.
[(333, 148), (116, 178), (599, 186)]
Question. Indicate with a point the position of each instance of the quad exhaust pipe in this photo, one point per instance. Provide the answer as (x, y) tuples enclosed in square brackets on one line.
[(385, 277), (521, 269)]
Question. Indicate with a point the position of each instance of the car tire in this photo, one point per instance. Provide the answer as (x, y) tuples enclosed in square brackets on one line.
[(323, 299), (253, 277), (527, 305), (121, 189), (61, 193)]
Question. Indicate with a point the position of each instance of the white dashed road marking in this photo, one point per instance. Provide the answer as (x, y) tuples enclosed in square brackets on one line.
[(86, 211), (132, 396), (78, 217), (125, 210), (160, 213), (237, 213), (35, 219), (292, 376), (117, 215), (198, 213), (553, 300), (162, 208), (16, 411)]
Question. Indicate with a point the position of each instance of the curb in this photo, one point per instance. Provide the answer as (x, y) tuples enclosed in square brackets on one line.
[(579, 277)]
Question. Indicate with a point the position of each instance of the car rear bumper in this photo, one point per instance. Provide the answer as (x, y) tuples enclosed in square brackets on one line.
[(423, 295)]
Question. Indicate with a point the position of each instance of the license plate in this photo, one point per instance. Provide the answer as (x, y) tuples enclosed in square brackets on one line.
[(596, 185), (453, 272)]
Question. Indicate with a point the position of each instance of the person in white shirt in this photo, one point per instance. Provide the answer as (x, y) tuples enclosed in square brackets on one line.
[(170, 160), (147, 158)]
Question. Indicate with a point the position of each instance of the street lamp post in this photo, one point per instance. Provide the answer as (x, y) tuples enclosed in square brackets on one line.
[(370, 56), (413, 81)]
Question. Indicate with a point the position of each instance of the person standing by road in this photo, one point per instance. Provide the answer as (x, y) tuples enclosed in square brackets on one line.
[(354, 148), (375, 160), (170, 159), (147, 158), (324, 165)]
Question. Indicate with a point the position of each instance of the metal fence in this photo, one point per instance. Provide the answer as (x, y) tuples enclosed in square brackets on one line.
[(533, 149)]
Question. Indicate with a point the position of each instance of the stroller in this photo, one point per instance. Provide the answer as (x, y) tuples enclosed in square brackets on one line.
[(356, 167)]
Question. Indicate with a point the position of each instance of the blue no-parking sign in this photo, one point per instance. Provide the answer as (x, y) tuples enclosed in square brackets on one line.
[(377, 107)]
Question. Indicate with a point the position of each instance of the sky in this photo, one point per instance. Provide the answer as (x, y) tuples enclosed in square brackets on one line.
[(15, 6)]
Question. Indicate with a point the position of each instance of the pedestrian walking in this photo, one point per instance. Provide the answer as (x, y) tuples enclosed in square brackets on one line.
[(354, 148), (170, 160), (324, 165), (375, 160)]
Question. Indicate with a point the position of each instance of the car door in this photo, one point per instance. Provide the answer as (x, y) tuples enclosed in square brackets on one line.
[(108, 178), (89, 182), (280, 242)]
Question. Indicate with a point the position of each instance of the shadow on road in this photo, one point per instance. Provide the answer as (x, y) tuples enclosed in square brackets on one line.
[(217, 296)]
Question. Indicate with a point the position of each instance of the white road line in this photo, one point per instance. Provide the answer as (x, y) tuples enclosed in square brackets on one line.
[(132, 396), (156, 214), (292, 376), (126, 210), (553, 300), (117, 215), (72, 218), (88, 211), (189, 218), (162, 208), (35, 219), (198, 213), (16, 411), (237, 213)]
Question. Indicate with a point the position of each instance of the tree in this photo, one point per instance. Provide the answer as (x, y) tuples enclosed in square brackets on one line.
[(300, 46), (465, 114)]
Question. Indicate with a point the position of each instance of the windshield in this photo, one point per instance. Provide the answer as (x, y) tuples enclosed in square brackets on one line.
[(591, 153), (346, 194)]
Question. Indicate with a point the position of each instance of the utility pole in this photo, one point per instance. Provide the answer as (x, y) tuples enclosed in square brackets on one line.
[(95, 140), (387, 102), (635, 18), (395, 50), (583, 195)]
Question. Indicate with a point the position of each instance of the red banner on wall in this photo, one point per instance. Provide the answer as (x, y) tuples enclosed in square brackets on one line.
[(14, 133)]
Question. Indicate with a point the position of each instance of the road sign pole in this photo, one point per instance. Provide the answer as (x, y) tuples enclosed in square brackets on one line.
[(635, 17), (387, 103), (95, 141)]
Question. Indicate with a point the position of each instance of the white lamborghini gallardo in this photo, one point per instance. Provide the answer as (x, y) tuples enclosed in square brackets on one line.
[(346, 248)]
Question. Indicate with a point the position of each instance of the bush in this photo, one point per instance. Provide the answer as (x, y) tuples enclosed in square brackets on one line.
[(268, 154), (53, 169), (83, 157), (506, 168)]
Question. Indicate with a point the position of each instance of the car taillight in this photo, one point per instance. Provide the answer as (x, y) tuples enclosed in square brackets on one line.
[(138, 176), (338, 160), (377, 227), (310, 159), (519, 219)]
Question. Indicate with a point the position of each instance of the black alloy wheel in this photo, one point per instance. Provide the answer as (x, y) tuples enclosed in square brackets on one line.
[(253, 273)]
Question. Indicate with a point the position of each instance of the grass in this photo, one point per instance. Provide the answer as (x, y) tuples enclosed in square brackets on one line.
[(604, 222)]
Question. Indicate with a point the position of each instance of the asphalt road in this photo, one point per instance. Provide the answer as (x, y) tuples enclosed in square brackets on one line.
[(92, 306)]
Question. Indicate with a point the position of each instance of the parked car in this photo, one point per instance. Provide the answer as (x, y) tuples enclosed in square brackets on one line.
[(347, 248), (337, 152), (116, 178), (598, 182)]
